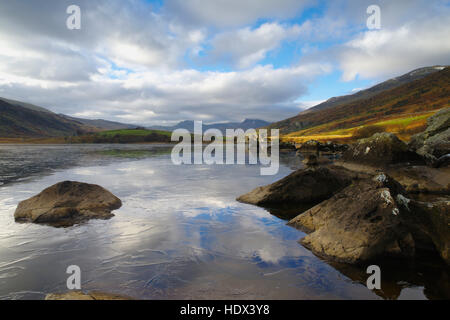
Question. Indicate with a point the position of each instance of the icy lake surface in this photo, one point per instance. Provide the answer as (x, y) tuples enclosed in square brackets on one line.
[(180, 233)]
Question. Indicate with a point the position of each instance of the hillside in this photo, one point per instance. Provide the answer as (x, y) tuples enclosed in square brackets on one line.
[(25, 120), (402, 109), (372, 91), (18, 121), (101, 124), (25, 105)]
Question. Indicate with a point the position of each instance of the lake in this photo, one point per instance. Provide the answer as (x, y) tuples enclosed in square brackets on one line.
[(180, 234)]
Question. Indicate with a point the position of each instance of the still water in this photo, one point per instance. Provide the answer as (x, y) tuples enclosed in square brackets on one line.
[(180, 234)]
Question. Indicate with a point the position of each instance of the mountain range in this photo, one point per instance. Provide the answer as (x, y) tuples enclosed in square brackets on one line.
[(189, 125)]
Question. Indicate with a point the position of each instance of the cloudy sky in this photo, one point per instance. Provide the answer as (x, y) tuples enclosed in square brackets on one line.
[(159, 62)]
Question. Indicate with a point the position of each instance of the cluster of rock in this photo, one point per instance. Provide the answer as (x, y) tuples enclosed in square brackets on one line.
[(358, 216), (373, 218), (364, 206), (317, 146)]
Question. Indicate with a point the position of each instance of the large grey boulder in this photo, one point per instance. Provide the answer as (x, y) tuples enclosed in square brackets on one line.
[(360, 223), (373, 218), (309, 185), (67, 203), (434, 142)]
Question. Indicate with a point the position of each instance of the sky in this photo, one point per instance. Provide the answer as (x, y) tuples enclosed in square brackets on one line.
[(159, 62)]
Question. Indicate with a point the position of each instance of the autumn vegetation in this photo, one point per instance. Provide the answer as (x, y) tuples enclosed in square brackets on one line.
[(402, 110)]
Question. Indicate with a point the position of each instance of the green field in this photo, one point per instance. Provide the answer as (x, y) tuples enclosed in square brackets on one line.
[(132, 132), (123, 136)]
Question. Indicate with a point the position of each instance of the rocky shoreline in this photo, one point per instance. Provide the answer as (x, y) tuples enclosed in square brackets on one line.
[(370, 204)]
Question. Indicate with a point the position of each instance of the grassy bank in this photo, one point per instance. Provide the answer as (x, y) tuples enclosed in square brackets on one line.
[(404, 127), (111, 136), (123, 136)]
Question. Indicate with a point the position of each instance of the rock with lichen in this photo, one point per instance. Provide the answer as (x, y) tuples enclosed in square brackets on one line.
[(359, 223)]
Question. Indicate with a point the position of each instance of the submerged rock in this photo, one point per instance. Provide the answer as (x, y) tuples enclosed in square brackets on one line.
[(79, 295), (310, 185), (67, 203), (434, 142), (381, 149)]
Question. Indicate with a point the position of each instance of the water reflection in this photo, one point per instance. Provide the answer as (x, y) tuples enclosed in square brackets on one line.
[(399, 277), (179, 234)]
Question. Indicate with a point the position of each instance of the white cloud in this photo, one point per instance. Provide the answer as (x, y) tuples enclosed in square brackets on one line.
[(232, 13), (245, 47), (146, 97), (387, 52), (413, 34), (88, 114)]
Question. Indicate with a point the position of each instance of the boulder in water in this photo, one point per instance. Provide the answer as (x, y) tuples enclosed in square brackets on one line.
[(360, 223), (67, 203), (310, 185)]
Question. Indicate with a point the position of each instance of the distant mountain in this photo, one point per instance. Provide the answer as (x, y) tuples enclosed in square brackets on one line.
[(21, 119), (386, 85), (428, 91), (189, 125)]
